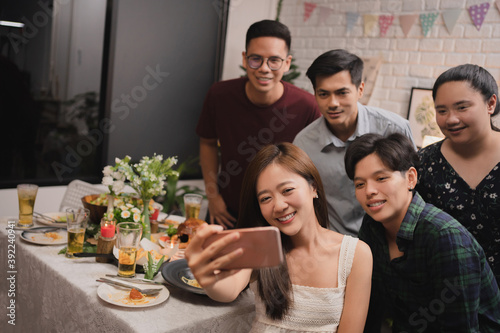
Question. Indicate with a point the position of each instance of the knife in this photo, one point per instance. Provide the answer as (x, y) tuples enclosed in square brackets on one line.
[(122, 284), (136, 280), (88, 254)]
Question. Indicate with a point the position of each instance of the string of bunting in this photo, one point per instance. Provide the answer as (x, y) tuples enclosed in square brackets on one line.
[(477, 14)]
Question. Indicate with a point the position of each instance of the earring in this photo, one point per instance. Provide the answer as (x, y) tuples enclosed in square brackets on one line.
[(316, 196), (410, 189)]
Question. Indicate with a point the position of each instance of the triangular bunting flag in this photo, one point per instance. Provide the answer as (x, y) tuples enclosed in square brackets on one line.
[(427, 22), (407, 21), (450, 18), (478, 13), (308, 9), (324, 13), (352, 18), (498, 4), (385, 21), (370, 22)]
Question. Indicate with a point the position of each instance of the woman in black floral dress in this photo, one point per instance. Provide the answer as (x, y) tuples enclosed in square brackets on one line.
[(461, 174)]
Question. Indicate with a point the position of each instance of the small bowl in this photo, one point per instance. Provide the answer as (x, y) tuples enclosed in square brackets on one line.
[(96, 211)]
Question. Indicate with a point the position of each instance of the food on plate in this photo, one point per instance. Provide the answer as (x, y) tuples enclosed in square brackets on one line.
[(54, 235), (187, 229), (171, 222), (191, 282), (135, 294), (142, 253), (47, 237)]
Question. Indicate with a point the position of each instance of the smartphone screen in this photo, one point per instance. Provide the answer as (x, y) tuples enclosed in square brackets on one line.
[(261, 247)]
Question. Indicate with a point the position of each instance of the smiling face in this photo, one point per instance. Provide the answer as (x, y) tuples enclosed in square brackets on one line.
[(285, 199), (382, 192), (337, 98), (461, 112), (263, 84)]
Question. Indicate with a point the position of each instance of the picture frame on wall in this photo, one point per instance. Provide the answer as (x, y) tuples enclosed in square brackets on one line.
[(422, 117)]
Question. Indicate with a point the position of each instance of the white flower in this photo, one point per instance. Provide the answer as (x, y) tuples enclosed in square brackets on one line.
[(135, 210), (447, 186), (118, 175), (479, 226), (118, 186), (125, 214), (493, 195), (137, 217), (460, 207), (107, 180), (107, 170)]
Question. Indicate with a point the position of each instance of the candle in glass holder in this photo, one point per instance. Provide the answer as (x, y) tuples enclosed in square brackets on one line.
[(108, 228)]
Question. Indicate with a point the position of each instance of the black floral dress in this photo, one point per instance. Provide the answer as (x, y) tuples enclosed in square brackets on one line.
[(477, 209)]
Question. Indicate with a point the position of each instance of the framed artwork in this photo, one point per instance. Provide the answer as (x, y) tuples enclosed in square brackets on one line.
[(422, 117)]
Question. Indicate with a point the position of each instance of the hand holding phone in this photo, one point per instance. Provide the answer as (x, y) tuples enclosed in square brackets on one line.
[(261, 247)]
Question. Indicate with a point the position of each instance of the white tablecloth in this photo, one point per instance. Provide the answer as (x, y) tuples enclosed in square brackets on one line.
[(57, 294)]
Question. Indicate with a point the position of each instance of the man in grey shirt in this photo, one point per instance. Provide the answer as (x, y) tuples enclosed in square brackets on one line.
[(336, 77)]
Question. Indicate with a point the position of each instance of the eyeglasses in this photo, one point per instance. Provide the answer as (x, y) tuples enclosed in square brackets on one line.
[(255, 61)]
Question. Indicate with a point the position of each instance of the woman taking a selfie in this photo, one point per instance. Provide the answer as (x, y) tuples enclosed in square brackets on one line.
[(461, 174), (324, 282)]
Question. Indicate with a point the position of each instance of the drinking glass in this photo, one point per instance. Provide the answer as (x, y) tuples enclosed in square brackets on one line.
[(192, 205), (76, 219), (128, 240), (171, 247), (26, 194)]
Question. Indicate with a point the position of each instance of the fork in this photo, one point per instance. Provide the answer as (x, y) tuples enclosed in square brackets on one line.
[(147, 292), (45, 217)]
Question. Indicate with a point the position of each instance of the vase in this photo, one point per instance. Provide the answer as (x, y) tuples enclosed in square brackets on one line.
[(111, 206), (146, 225)]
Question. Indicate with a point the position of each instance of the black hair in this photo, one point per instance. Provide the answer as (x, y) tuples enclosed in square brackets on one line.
[(335, 61), (269, 28), (274, 284), (396, 152), (478, 78)]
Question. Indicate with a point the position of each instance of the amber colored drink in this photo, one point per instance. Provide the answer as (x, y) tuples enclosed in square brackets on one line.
[(26, 194), (126, 261), (26, 205), (192, 210), (75, 241)]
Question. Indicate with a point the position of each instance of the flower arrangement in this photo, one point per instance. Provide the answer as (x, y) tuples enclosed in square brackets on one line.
[(147, 178)]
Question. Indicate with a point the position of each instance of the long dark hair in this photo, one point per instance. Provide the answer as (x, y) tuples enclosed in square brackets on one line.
[(274, 284), (478, 78)]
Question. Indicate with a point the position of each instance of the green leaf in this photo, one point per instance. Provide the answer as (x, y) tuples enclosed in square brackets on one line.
[(149, 270)]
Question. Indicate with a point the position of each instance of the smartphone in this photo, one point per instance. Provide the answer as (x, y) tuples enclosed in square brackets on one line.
[(261, 247)]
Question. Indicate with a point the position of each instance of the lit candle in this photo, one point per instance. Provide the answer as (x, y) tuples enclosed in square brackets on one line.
[(107, 228)]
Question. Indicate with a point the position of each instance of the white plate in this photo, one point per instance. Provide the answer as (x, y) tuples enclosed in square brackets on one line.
[(175, 220), (43, 239), (119, 296), (54, 215)]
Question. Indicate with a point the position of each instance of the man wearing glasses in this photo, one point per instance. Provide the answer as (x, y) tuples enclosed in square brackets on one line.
[(242, 115)]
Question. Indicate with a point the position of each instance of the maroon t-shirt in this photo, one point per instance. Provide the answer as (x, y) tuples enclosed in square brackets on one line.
[(242, 128)]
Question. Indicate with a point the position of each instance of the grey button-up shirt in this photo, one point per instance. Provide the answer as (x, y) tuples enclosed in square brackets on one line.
[(327, 152)]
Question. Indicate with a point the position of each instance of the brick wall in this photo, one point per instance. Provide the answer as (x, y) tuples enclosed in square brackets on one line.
[(411, 61)]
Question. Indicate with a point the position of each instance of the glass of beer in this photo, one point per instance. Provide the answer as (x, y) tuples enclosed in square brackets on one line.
[(26, 194), (76, 220), (128, 240), (192, 205)]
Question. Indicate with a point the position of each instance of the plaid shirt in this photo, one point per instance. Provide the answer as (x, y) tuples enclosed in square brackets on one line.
[(442, 283)]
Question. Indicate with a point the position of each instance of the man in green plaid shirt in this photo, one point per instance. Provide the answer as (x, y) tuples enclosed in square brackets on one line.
[(429, 272)]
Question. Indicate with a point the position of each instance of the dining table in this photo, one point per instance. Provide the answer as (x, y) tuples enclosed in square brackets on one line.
[(44, 291)]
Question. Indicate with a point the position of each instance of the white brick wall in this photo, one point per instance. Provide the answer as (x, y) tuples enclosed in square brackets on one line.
[(412, 61)]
